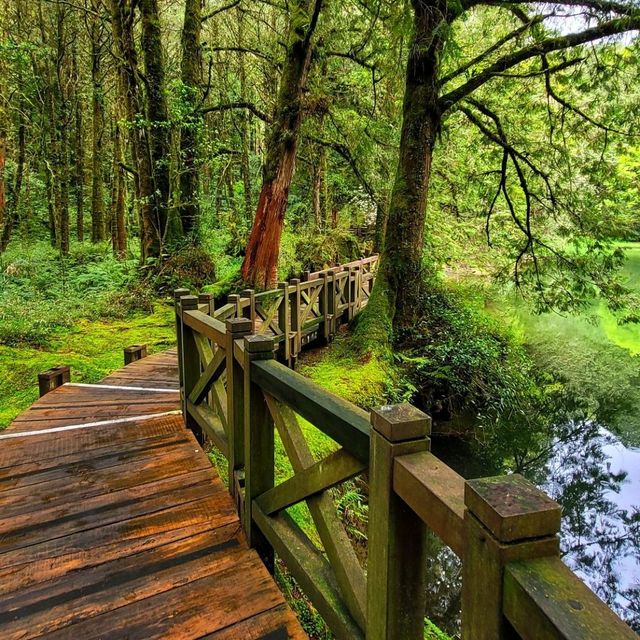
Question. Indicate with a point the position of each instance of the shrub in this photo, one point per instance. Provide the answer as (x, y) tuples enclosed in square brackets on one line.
[(190, 267)]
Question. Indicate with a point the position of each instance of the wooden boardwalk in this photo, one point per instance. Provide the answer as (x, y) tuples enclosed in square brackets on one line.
[(113, 524)]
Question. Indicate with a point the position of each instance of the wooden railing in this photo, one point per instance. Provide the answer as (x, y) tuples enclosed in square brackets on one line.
[(301, 310), (236, 394)]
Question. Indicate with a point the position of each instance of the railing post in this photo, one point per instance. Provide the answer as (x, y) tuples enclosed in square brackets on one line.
[(236, 328), (283, 323), (53, 378), (177, 294), (209, 300), (352, 293), (396, 577), (259, 460), (134, 352), (234, 298), (324, 306), (507, 518), (332, 302), (250, 311), (190, 364), (296, 329)]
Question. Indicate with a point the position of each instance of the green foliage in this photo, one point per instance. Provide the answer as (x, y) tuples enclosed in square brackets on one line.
[(43, 291), (311, 621), (190, 267), (469, 371), (365, 381)]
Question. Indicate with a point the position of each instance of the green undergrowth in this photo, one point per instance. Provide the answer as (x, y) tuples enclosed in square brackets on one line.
[(367, 381), (92, 348)]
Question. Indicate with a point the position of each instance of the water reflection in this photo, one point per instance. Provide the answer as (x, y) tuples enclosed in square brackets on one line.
[(596, 479)]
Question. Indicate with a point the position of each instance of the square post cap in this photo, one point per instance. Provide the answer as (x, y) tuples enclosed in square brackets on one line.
[(179, 293), (258, 344), (399, 422), (189, 302), (238, 325), (512, 508)]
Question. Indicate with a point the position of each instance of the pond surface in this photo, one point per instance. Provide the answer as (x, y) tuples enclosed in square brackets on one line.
[(593, 466), (590, 466)]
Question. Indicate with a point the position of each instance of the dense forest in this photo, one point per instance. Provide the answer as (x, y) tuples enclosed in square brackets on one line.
[(487, 149)]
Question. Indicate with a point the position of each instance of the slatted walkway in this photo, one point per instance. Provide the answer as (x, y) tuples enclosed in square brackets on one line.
[(113, 524)]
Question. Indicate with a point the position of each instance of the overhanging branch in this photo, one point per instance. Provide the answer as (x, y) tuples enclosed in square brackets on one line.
[(609, 28)]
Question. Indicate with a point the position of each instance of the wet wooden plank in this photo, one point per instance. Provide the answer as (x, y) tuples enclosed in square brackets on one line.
[(56, 604), (88, 480), (123, 529), (278, 623)]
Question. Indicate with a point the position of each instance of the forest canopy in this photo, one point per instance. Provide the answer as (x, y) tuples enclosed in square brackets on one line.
[(506, 128)]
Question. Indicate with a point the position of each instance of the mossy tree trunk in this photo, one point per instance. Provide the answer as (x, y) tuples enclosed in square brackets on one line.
[(401, 274), (96, 34), (78, 147), (158, 130), (245, 120), (118, 194), (13, 201), (261, 259), (151, 207), (60, 122), (189, 208)]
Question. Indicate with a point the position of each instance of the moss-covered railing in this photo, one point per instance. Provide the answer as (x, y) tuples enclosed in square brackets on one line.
[(236, 394)]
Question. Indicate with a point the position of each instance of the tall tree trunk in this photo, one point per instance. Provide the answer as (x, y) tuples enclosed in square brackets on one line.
[(245, 118), (79, 150), (158, 116), (13, 204), (401, 265), (316, 194), (51, 214), (381, 221), (319, 191), (119, 196), (189, 209), (122, 22), (97, 129), (62, 122), (261, 259), (3, 158)]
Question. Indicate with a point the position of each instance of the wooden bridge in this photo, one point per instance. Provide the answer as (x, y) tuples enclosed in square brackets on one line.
[(114, 525)]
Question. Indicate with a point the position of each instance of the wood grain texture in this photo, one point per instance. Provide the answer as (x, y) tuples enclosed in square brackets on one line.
[(124, 530)]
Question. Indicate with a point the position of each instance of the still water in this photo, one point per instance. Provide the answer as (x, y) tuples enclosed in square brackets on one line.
[(591, 464)]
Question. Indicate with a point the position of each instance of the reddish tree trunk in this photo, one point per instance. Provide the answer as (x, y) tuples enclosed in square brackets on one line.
[(261, 259)]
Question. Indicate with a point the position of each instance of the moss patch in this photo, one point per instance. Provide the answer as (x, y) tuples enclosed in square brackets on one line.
[(364, 380), (92, 348)]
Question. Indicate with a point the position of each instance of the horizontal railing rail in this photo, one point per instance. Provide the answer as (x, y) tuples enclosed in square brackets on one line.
[(505, 531)]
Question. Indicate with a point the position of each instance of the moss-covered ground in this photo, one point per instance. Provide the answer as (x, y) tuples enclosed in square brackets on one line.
[(92, 348)]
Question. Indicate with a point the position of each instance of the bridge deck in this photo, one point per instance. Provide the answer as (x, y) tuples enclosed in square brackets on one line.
[(113, 524)]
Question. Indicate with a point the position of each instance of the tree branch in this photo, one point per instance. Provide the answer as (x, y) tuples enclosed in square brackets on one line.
[(238, 105), (492, 49), (565, 104), (313, 23), (344, 152), (255, 52), (601, 6), (609, 28), (215, 12)]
